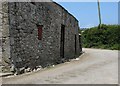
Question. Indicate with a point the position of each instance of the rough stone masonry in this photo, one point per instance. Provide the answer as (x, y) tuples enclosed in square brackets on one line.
[(38, 34)]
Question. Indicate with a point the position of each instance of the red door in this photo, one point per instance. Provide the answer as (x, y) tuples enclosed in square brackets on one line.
[(40, 32)]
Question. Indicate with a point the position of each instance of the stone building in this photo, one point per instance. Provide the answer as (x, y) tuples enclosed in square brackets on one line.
[(38, 34)]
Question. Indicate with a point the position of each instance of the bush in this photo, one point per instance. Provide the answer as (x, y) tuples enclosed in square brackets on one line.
[(106, 38)]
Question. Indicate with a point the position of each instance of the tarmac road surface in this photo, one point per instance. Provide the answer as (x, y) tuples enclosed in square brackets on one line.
[(95, 66)]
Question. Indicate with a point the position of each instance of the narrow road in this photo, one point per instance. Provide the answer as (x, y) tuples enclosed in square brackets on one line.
[(95, 66)]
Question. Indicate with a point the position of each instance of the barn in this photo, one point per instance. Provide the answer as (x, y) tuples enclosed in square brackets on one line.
[(38, 34)]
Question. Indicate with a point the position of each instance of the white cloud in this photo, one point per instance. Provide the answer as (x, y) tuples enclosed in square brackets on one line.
[(88, 26)]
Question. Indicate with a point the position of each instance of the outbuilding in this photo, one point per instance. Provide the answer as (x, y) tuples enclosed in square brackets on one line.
[(38, 34)]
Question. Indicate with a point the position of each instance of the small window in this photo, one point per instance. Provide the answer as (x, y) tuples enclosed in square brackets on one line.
[(33, 3), (40, 32)]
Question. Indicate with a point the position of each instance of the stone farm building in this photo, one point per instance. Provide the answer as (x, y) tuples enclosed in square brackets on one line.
[(38, 34)]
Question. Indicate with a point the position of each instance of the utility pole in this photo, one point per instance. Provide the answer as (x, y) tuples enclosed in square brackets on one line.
[(99, 14)]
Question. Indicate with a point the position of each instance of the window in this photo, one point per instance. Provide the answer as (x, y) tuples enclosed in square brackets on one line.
[(40, 31), (33, 3)]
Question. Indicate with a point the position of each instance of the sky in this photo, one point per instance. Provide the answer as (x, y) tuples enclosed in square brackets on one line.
[(87, 12)]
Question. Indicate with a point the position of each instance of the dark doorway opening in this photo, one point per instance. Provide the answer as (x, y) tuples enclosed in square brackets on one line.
[(75, 44), (80, 43), (62, 41)]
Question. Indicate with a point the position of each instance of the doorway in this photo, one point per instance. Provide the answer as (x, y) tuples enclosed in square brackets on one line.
[(75, 45), (62, 40)]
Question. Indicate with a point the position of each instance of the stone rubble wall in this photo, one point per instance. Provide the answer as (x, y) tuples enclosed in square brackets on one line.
[(0, 33), (5, 37), (25, 50)]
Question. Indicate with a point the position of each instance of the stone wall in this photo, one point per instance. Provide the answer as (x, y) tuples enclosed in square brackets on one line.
[(0, 33), (5, 37), (25, 50)]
